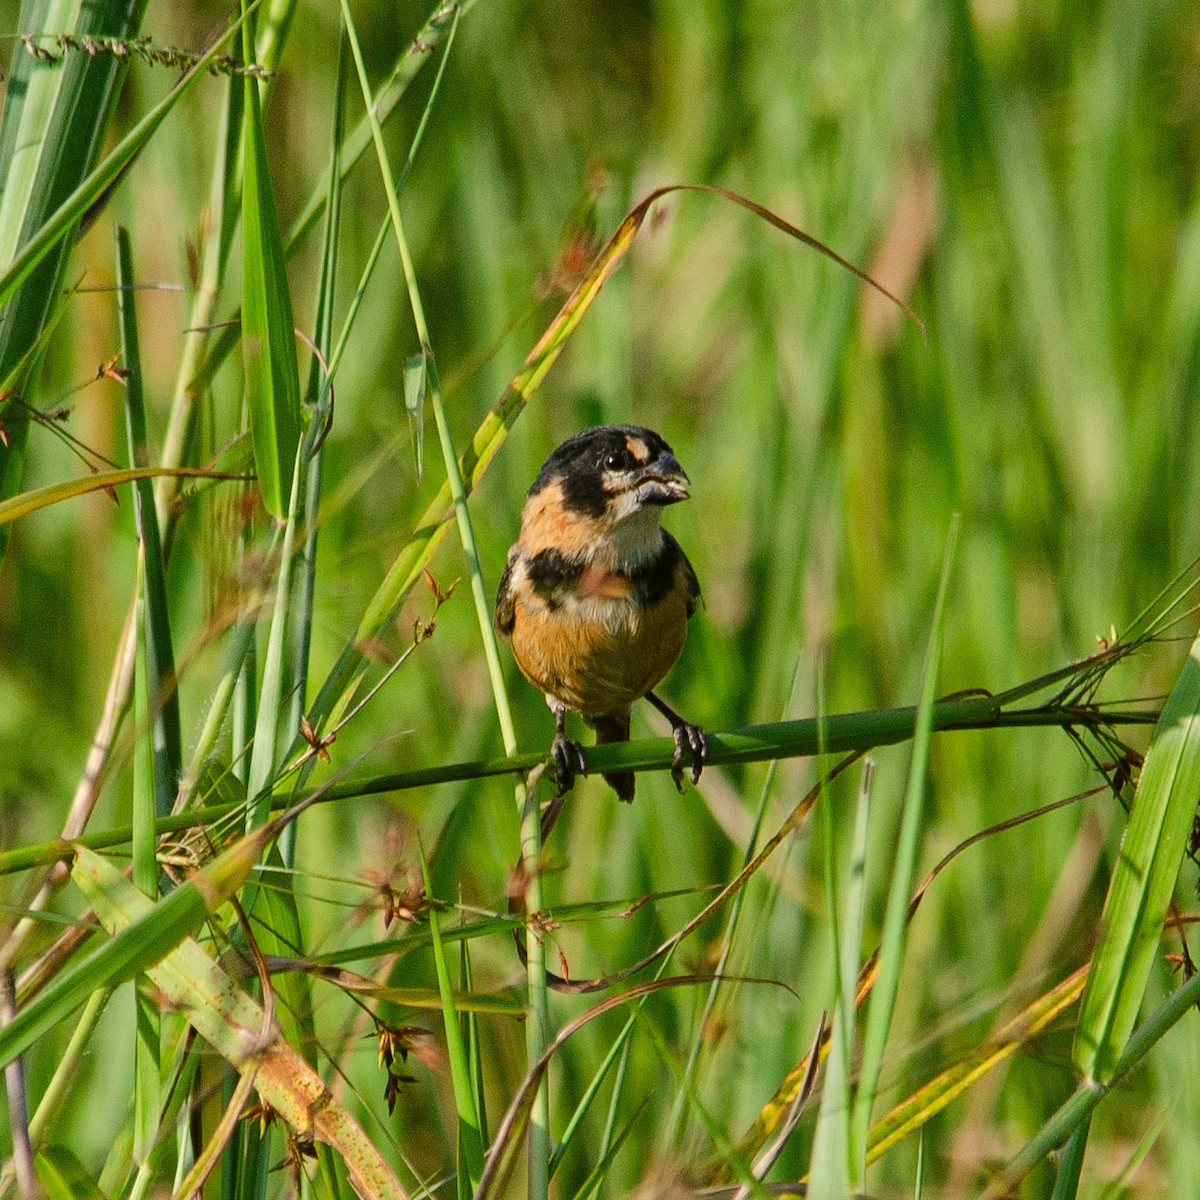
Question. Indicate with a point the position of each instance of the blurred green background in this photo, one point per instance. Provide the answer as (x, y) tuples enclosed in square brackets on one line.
[(1024, 174)]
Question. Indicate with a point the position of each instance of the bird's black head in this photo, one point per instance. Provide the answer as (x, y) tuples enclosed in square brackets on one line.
[(614, 471)]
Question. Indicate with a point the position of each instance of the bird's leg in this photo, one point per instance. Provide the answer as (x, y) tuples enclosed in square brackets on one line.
[(567, 754), (687, 737)]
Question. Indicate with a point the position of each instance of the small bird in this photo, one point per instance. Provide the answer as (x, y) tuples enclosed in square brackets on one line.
[(596, 595)]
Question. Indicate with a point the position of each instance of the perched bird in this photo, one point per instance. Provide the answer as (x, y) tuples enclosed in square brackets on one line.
[(596, 595)]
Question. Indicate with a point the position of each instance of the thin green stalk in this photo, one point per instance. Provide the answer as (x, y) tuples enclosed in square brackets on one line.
[(1070, 1163), (756, 743), (537, 1026)]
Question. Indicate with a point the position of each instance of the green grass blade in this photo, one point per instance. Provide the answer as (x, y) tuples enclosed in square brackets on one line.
[(158, 752), (144, 842), (156, 627), (1143, 879), (145, 876), (268, 341), (470, 1021), (830, 1167), (270, 740), (63, 1176), (470, 1139), (318, 399), (883, 997), (1070, 1163)]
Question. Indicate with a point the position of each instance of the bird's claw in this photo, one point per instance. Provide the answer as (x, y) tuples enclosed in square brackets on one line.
[(689, 739), (568, 761)]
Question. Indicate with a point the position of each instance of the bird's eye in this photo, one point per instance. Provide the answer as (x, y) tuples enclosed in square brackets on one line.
[(616, 461)]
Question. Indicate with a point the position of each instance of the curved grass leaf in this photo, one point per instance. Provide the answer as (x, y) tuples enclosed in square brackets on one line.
[(493, 430), (102, 481), (997, 1048)]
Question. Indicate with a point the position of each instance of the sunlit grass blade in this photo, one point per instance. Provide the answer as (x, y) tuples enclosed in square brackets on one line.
[(1076, 1110), (913, 1113), (138, 946), (318, 397), (159, 749), (270, 739), (36, 499), (474, 1047), (493, 430), (414, 402), (883, 997), (147, 1028), (1144, 877), (232, 1022), (268, 341)]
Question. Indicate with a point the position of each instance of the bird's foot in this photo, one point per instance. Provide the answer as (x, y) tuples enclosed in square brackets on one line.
[(567, 755), (689, 739)]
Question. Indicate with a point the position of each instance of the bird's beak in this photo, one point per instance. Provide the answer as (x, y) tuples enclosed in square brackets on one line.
[(664, 482)]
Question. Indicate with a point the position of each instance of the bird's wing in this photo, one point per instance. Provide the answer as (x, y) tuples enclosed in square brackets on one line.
[(689, 579), (505, 596)]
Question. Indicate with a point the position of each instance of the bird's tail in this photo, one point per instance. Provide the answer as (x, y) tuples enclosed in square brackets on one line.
[(614, 727)]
